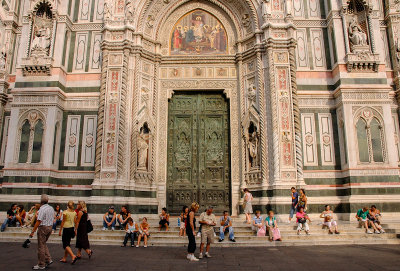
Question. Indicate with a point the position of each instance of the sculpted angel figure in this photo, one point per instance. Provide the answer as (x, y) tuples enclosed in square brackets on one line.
[(3, 60), (356, 34)]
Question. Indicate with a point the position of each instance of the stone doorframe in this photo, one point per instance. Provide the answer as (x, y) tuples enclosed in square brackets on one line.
[(229, 88)]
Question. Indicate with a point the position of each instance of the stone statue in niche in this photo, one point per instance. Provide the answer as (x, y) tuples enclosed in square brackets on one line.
[(398, 51), (42, 29), (266, 9), (108, 5), (357, 36), (253, 146), (251, 95), (143, 147), (129, 10), (3, 60)]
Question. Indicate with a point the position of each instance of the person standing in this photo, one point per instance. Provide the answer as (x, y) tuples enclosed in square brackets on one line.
[(302, 201), (295, 202), (82, 239), (226, 226), (190, 231), (44, 223), (248, 208), (208, 220), (68, 232), (183, 218)]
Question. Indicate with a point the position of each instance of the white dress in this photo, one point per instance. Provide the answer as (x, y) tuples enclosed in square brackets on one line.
[(248, 209)]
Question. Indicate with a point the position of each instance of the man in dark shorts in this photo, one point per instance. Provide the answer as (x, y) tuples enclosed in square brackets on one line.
[(164, 219), (123, 216)]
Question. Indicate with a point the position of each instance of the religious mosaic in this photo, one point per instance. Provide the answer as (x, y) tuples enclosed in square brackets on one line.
[(200, 33)]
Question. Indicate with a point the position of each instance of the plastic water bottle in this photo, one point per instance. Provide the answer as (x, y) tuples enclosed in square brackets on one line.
[(179, 221)]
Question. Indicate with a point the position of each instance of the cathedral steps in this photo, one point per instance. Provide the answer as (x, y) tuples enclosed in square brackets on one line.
[(245, 237)]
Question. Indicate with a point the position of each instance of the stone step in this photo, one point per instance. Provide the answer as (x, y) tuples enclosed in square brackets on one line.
[(226, 243)]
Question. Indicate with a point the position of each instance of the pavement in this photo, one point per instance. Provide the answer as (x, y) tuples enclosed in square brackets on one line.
[(338, 258)]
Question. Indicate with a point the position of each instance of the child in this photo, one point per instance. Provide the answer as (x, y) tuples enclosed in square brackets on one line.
[(143, 232), (164, 219), (184, 214), (302, 218), (272, 227), (258, 222), (131, 230)]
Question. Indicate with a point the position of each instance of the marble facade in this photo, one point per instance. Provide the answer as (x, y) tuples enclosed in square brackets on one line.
[(85, 85)]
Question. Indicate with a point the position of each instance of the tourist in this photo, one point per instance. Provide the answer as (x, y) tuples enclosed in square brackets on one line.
[(302, 218), (183, 217), (302, 201), (123, 216), (258, 225), (208, 220), (164, 219), (272, 227), (144, 232), (373, 217), (295, 201), (362, 217), (11, 218), (190, 231), (82, 239), (67, 229), (109, 219), (329, 221), (247, 206), (131, 229), (43, 225), (32, 215), (20, 215), (58, 215), (226, 226)]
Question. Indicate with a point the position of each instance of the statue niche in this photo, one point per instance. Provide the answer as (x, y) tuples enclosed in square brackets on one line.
[(253, 146), (42, 28), (143, 148), (357, 36)]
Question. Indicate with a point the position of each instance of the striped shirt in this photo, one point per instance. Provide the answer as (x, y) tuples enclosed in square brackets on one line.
[(46, 215)]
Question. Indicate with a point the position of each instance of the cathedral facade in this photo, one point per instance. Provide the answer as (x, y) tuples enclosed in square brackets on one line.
[(153, 103)]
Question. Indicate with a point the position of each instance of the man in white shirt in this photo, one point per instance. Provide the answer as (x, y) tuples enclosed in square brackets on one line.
[(208, 221), (44, 223)]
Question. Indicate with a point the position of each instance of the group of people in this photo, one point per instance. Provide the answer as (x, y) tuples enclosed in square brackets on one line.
[(370, 218), (44, 219), (126, 223)]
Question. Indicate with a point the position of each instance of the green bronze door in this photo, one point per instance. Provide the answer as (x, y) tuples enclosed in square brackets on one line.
[(198, 151)]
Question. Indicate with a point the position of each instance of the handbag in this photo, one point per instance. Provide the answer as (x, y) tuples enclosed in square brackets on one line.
[(302, 220), (261, 232), (276, 234), (89, 226)]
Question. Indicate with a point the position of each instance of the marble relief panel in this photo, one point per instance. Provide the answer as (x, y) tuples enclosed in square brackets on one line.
[(80, 51), (318, 48)]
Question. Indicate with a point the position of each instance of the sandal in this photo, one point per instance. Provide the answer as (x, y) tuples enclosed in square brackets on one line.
[(61, 261), (91, 253), (74, 260)]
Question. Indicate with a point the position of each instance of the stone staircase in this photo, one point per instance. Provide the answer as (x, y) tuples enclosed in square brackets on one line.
[(245, 237)]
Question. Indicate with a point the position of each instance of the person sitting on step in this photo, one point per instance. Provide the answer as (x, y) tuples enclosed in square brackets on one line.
[(122, 217), (329, 221), (132, 229), (32, 214), (362, 217), (164, 220), (11, 217), (109, 219), (258, 222), (226, 226), (302, 218), (20, 215), (272, 227), (374, 216), (144, 232)]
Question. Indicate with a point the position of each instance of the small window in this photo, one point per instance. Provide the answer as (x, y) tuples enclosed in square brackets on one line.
[(24, 144), (362, 141), (376, 140)]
